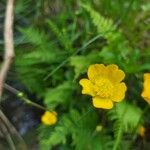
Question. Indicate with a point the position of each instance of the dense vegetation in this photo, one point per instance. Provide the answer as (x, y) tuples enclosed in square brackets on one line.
[(55, 43)]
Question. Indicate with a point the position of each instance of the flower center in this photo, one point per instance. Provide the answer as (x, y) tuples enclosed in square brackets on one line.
[(104, 88)]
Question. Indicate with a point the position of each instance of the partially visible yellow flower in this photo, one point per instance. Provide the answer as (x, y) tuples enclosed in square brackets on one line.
[(99, 128), (141, 131), (104, 85), (49, 118), (146, 91)]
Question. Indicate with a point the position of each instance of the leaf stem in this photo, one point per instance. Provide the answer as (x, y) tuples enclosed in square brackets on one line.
[(119, 136), (23, 97), (120, 132), (28, 101)]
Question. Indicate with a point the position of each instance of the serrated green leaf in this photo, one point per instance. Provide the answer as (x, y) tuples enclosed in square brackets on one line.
[(59, 95)]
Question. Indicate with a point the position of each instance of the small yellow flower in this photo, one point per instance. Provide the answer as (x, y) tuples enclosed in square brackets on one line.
[(141, 131), (146, 91), (99, 128), (104, 85), (49, 118)]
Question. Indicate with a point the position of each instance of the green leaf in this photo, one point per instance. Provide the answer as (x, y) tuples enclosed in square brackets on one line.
[(126, 117), (104, 26), (59, 95), (81, 63), (33, 35), (62, 36)]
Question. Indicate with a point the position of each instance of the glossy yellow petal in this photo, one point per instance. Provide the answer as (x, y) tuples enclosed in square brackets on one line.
[(102, 103), (146, 91), (88, 87), (112, 67), (119, 92), (115, 74), (95, 71), (146, 97)]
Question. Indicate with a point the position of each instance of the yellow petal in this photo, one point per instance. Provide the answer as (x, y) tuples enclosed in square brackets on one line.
[(96, 70), (87, 87), (49, 118), (115, 74), (102, 103), (146, 91), (146, 97), (112, 67), (147, 83), (119, 92)]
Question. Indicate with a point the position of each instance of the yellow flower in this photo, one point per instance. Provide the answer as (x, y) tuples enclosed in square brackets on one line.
[(99, 128), (146, 91), (104, 85), (49, 118), (141, 131)]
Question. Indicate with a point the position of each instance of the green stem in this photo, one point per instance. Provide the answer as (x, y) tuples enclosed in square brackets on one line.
[(120, 132), (76, 52), (33, 103), (23, 97), (119, 136)]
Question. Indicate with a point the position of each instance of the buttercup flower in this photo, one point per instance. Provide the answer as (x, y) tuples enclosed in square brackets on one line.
[(146, 91), (104, 85), (49, 118), (141, 131)]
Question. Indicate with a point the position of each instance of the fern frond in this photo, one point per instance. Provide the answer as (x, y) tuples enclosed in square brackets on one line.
[(79, 127), (21, 7), (62, 36), (104, 26), (33, 35), (126, 117), (59, 95), (38, 53)]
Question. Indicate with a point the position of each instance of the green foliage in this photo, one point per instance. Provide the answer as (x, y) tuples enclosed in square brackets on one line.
[(118, 48), (39, 53), (81, 63), (117, 44), (21, 6), (104, 26), (62, 36), (55, 44), (34, 36), (126, 117), (80, 131), (59, 95)]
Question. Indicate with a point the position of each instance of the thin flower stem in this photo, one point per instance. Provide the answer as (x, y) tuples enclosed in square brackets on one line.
[(120, 131), (76, 52), (22, 96), (119, 136), (28, 101)]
